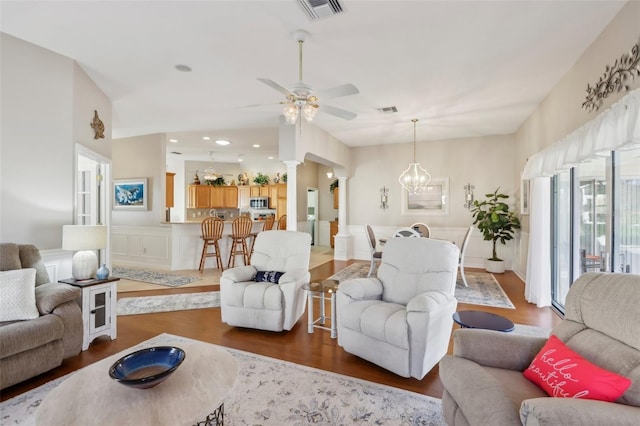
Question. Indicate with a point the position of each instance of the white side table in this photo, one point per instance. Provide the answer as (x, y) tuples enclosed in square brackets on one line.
[(98, 304), (325, 290)]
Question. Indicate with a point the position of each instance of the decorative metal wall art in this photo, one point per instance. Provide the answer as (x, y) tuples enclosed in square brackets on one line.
[(384, 198), (468, 196), (614, 78), (98, 126)]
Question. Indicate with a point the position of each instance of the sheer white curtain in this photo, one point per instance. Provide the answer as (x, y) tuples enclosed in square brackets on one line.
[(538, 286)]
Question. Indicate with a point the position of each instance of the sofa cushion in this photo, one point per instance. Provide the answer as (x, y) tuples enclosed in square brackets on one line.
[(9, 257), (51, 295), (18, 295), (20, 336), (561, 372), (384, 322)]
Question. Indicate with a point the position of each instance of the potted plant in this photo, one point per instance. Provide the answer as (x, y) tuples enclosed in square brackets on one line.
[(261, 179), (333, 185), (497, 223), (284, 178)]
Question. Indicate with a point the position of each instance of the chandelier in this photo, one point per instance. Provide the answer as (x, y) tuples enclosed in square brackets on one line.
[(297, 106), (414, 179)]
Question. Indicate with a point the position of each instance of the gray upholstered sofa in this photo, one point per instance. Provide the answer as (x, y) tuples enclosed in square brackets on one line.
[(483, 380), (31, 347)]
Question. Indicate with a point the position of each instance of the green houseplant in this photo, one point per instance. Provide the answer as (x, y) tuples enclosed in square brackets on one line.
[(333, 185), (496, 222), (261, 179)]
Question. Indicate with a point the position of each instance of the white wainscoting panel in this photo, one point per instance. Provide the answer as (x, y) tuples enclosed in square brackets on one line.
[(140, 246), (58, 263)]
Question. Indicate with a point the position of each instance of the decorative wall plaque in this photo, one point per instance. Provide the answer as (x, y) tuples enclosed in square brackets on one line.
[(98, 126), (614, 79)]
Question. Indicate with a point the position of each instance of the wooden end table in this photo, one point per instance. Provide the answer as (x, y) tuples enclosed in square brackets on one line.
[(98, 303)]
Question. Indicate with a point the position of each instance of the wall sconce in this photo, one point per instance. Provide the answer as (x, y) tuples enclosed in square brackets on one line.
[(329, 175), (468, 195), (384, 198)]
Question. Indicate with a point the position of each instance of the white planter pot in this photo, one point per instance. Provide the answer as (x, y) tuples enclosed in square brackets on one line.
[(494, 266)]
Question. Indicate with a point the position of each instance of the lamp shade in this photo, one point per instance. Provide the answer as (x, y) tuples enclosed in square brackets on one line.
[(84, 237)]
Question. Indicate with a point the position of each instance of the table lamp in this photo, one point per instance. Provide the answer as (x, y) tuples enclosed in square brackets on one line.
[(84, 239)]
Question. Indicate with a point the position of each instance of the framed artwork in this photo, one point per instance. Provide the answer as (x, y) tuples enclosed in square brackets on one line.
[(130, 194), (434, 200), (524, 197)]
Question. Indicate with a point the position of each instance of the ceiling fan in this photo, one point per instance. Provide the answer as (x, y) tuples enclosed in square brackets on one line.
[(301, 99)]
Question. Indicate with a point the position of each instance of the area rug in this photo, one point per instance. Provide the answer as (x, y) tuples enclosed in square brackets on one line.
[(152, 277), (274, 392), (168, 303), (483, 288)]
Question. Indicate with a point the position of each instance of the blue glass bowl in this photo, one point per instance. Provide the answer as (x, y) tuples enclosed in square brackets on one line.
[(148, 367)]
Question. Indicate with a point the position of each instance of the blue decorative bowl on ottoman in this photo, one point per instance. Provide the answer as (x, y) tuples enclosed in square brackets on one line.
[(148, 367)]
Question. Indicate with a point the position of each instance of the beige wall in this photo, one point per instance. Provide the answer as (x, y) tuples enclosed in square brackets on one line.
[(561, 111)]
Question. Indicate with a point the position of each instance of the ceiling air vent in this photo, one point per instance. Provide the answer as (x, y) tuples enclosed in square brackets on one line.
[(318, 9), (388, 110)]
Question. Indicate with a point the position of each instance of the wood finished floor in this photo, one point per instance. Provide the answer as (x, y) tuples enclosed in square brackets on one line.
[(315, 350)]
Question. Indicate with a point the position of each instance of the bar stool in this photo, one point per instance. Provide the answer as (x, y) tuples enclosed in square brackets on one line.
[(267, 225), (211, 233), (240, 232), (282, 223)]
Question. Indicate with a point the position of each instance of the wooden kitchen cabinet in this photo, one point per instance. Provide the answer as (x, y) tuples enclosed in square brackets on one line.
[(281, 199), (230, 197), (259, 190), (199, 196), (169, 190), (336, 197), (216, 197), (333, 230)]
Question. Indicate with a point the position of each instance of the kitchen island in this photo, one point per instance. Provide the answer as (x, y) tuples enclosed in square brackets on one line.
[(169, 246)]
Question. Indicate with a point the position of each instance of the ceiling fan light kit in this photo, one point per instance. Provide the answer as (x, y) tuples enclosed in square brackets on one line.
[(415, 178), (301, 100)]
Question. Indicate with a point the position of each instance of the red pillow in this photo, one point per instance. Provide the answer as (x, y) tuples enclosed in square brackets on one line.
[(561, 372)]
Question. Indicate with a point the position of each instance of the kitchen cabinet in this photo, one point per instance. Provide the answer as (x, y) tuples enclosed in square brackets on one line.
[(273, 195), (333, 230), (244, 193), (336, 197), (259, 190), (230, 197), (199, 196), (216, 197), (169, 190), (281, 199)]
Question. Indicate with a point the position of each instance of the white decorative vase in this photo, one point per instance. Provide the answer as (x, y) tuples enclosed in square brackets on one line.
[(494, 266)]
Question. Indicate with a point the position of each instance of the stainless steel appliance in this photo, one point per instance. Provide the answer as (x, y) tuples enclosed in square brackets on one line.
[(259, 202), (261, 214)]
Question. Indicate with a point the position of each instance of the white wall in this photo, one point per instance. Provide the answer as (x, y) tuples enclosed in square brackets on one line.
[(141, 157), (41, 121)]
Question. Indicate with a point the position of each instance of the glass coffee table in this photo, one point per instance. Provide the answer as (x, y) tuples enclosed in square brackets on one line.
[(322, 290), (483, 320)]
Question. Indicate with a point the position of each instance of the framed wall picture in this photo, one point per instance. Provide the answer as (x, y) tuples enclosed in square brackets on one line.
[(524, 197), (130, 194), (432, 201)]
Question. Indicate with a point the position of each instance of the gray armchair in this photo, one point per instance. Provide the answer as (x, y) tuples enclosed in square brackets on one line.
[(483, 380)]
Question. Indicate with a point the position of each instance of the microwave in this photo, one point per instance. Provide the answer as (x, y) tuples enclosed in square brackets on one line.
[(259, 202)]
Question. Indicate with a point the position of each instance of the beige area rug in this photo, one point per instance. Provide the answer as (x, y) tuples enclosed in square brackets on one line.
[(211, 276), (483, 288), (274, 392)]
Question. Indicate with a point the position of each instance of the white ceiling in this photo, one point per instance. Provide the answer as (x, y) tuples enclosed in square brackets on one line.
[(463, 68)]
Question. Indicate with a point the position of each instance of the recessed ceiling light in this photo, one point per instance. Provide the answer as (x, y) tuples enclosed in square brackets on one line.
[(206, 138), (223, 142), (240, 160), (255, 145), (183, 68), (270, 157), (173, 140)]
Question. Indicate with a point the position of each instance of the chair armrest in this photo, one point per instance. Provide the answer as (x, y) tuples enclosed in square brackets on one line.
[(429, 302), (361, 288), (51, 295), (556, 411), (240, 274), (295, 276), (496, 349)]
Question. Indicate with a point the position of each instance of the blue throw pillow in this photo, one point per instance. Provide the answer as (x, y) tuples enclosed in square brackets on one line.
[(268, 276)]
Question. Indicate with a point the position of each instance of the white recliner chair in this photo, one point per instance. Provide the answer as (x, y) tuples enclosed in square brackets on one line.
[(402, 319), (280, 256)]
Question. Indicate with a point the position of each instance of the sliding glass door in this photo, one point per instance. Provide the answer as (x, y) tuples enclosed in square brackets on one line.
[(626, 235)]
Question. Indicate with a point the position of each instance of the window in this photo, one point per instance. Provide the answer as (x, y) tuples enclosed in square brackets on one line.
[(626, 223)]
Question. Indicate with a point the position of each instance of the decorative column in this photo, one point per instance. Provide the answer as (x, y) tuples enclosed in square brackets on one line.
[(343, 241), (292, 198)]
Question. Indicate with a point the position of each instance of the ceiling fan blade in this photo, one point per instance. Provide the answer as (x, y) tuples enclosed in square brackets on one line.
[(338, 91), (259, 105), (275, 86), (347, 115)]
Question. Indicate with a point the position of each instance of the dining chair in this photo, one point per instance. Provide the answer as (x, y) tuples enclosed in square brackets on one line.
[(422, 229), (282, 223), (463, 251), (406, 232), (240, 233), (211, 228), (376, 256)]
